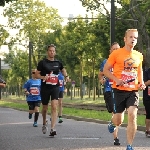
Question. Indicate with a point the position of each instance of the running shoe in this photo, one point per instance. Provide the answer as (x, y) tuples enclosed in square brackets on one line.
[(45, 128), (60, 120), (147, 133), (129, 147), (30, 116), (116, 141), (53, 132), (111, 127), (35, 124)]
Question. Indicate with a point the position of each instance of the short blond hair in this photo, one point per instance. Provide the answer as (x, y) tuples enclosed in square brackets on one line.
[(33, 70), (128, 30)]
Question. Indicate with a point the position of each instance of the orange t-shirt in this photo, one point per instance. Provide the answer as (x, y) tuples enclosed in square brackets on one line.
[(125, 66)]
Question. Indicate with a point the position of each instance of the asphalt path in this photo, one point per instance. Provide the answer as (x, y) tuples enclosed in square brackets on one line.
[(18, 133)]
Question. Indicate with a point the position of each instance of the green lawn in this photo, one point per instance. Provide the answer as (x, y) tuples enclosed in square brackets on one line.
[(101, 115)]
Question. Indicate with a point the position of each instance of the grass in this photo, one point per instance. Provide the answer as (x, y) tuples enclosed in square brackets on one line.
[(101, 115)]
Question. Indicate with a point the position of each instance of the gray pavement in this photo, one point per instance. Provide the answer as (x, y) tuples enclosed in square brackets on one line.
[(17, 133)]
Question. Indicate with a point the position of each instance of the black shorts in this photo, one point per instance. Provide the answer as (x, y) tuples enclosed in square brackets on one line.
[(33, 104), (124, 99), (108, 101), (47, 92), (61, 93), (147, 108)]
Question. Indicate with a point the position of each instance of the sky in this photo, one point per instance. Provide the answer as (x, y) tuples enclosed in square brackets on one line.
[(65, 7)]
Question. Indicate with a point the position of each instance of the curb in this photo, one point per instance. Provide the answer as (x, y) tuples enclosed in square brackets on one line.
[(139, 128)]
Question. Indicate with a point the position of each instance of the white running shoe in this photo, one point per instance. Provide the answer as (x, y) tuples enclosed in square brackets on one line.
[(45, 128)]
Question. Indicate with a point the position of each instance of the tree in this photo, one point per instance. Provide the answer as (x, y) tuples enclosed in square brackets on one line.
[(3, 35), (33, 19), (18, 74), (3, 2), (133, 13)]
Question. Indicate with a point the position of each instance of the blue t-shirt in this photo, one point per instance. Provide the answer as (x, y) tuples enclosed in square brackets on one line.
[(107, 86), (33, 86), (61, 81)]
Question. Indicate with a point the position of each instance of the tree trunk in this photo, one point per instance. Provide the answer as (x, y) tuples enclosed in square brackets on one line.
[(94, 91), (81, 79)]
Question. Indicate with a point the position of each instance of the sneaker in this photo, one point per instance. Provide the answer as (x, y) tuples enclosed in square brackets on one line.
[(147, 133), (53, 132), (111, 127), (116, 141), (129, 147), (35, 124), (30, 116), (45, 128), (60, 120)]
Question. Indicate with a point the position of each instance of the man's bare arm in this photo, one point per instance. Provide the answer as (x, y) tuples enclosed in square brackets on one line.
[(101, 77), (2, 85), (108, 73)]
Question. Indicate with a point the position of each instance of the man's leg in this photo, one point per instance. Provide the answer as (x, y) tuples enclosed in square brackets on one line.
[(60, 107), (109, 105), (44, 113), (54, 104), (132, 124), (147, 119)]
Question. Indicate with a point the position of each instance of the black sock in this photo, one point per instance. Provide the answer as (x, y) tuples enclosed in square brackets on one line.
[(36, 116)]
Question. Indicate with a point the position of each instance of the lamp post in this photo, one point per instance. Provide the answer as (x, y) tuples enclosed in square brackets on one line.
[(30, 53), (112, 22)]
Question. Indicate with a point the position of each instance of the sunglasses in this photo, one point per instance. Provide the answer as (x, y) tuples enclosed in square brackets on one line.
[(33, 72)]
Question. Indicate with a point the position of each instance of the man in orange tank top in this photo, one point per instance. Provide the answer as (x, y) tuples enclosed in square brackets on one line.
[(127, 80)]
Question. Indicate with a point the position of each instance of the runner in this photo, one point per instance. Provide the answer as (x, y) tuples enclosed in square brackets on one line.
[(127, 65), (61, 91), (32, 92), (107, 91), (62, 81), (48, 70), (146, 100)]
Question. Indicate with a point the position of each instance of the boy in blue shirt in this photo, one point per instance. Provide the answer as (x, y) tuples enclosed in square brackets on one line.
[(33, 98)]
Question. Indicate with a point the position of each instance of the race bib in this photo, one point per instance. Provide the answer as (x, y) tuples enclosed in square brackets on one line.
[(34, 91), (148, 90), (60, 83), (52, 79), (110, 81), (125, 76)]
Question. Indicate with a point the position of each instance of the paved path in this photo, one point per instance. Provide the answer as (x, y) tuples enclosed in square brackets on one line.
[(17, 133)]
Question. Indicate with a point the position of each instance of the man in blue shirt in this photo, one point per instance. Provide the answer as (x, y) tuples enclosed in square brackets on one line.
[(32, 92), (108, 90), (61, 92)]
